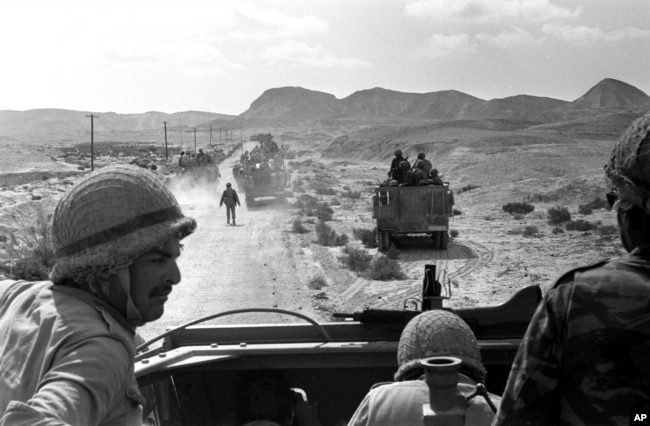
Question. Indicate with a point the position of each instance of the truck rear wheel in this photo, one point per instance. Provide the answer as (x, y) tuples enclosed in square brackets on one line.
[(440, 240), (383, 240)]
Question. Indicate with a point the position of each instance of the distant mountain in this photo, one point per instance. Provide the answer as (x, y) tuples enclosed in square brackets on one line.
[(520, 106), (294, 103), (611, 93), (62, 121)]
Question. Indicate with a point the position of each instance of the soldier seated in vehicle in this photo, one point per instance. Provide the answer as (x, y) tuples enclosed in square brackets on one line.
[(422, 160), (394, 165), (431, 333), (433, 176), (419, 176)]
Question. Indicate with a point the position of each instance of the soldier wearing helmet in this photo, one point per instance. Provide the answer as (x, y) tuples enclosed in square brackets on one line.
[(431, 333), (230, 198), (584, 358), (67, 345), (395, 165), (422, 161)]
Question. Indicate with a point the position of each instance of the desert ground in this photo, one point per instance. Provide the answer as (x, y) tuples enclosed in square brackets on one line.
[(262, 262)]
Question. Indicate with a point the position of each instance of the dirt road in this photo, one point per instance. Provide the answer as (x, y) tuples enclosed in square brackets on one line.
[(228, 267)]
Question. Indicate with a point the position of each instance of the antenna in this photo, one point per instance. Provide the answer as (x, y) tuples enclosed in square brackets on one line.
[(166, 156)]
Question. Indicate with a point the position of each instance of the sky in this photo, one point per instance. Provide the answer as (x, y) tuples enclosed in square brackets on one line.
[(134, 56)]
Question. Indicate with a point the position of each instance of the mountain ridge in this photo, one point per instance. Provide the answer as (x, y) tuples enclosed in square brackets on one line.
[(296, 105)]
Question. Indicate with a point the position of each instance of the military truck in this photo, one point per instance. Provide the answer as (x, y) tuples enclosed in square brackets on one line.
[(405, 210), (192, 378)]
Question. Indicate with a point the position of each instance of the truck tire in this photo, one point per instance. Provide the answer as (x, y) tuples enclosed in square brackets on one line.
[(383, 240), (444, 240)]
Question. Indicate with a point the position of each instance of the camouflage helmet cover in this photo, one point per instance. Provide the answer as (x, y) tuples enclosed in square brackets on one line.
[(628, 168), (438, 333), (398, 152)]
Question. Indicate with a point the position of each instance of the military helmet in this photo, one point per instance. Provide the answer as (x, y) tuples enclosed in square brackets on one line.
[(228, 185), (438, 333), (398, 152)]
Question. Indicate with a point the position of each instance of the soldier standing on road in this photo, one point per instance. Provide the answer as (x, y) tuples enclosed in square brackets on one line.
[(584, 358), (230, 198), (67, 345)]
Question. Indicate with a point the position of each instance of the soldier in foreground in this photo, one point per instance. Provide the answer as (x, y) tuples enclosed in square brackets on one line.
[(230, 198), (67, 345), (585, 357), (431, 333)]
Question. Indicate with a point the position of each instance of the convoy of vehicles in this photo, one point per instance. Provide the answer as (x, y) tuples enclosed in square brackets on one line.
[(403, 210)]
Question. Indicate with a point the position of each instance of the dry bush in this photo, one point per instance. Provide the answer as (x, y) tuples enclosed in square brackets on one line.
[(357, 260), (518, 208), (467, 188), (453, 233), (335, 202), (383, 268), (607, 230), (530, 231), (558, 215), (367, 236), (326, 236), (317, 282), (355, 195), (324, 212), (298, 227), (580, 225), (596, 203)]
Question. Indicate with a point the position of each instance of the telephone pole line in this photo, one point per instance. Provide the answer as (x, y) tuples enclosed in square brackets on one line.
[(166, 156), (194, 139), (92, 140)]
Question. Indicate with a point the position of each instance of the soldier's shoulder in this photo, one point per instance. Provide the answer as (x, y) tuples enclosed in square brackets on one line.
[(569, 275)]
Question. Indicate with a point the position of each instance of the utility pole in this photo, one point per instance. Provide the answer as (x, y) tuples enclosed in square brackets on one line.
[(210, 135), (166, 156), (219, 135), (92, 137), (194, 139)]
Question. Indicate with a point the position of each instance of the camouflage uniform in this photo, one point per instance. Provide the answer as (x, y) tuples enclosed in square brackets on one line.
[(585, 358)]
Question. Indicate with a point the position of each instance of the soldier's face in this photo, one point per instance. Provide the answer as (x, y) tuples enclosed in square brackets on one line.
[(152, 276)]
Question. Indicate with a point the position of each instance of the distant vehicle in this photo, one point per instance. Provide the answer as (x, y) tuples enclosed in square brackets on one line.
[(402, 210), (192, 377), (262, 182)]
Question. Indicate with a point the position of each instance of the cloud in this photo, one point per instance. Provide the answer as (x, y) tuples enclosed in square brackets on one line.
[(313, 56), (152, 53), (471, 11), (583, 33), (514, 38), (439, 45), (260, 24)]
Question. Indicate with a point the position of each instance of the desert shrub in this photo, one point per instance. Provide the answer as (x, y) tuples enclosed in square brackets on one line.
[(335, 202), (326, 236), (310, 220), (299, 189), (346, 188), (29, 268), (558, 230), (317, 282), (3, 239), (453, 233), (596, 203), (457, 212), (306, 200), (290, 155), (298, 227), (558, 215), (357, 260), (324, 190), (518, 208), (355, 195), (579, 225), (607, 230), (530, 230), (383, 268), (367, 236), (297, 182), (467, 188), (324, 212)]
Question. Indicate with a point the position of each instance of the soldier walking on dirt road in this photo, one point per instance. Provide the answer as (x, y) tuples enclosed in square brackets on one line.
[(231, 199)]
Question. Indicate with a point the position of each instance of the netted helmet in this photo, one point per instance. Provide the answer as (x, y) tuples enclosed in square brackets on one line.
[(228, 185), (628, 169), (438, 333), (434, 172), (398, 152), (404, 165), (111, 217), (421, 156)]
